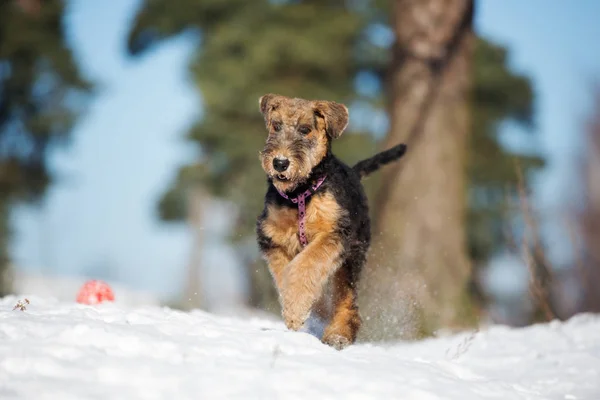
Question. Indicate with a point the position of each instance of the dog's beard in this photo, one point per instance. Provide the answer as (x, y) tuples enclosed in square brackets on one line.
[(298, 172), (304, 156)]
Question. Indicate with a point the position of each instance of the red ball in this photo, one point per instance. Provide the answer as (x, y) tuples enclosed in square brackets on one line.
[(95, 292)]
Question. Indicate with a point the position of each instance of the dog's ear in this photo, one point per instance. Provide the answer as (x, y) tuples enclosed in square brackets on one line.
[(267, 103), (335, 116)]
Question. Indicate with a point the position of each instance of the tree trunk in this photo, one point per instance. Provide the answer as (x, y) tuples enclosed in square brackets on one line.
[(589, 220), (418, 268)]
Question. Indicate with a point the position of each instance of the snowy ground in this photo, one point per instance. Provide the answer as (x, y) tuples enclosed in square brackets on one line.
[(63, 351)]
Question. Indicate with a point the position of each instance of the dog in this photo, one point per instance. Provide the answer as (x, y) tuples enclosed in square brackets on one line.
[(314, 230)]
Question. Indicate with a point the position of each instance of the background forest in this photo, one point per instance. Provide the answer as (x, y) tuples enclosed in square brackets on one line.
[(129, 134)]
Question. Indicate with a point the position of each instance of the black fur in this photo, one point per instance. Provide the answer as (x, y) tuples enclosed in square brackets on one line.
[(370, 165)]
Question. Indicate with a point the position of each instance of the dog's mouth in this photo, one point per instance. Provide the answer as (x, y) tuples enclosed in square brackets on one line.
[(282, 178)]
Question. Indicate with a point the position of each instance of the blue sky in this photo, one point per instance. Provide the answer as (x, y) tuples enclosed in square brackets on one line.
[(554, 43), (128, 146)]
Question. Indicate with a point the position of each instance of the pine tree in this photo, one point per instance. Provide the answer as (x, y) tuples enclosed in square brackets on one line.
[(316, 49), (41, 95), (311, 49)]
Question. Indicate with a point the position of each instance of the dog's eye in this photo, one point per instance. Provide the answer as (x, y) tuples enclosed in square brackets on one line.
[(305, 130), (276, 126)]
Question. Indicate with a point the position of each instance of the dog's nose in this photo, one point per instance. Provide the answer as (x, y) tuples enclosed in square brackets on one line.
[(281, 165)]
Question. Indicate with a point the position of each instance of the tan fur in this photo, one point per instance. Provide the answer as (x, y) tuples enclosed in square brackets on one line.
[(302, 280), (281, 225), (322, 215), (321, 135), (345, 321), (305, 276)]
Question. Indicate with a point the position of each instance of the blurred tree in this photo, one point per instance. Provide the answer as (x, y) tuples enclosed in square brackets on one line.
[(41, 95), (449, 93), (318, 49), (587, 262), (420, 264), (309, 48)]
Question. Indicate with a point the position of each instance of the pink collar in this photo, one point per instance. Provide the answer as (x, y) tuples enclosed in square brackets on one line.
[(301, 200)]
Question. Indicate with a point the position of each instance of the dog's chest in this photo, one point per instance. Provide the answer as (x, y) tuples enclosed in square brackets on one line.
[(281, 224)]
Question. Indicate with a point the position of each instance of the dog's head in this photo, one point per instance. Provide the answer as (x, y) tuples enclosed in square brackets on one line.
[(299, 135)]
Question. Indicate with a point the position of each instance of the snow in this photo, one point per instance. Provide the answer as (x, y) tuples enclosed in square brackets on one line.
[(62, 350)]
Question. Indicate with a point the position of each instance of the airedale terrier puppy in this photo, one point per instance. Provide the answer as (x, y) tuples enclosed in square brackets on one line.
[(314, 231)]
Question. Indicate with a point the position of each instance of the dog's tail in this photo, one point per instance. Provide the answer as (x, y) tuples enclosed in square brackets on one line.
[(370, 165)]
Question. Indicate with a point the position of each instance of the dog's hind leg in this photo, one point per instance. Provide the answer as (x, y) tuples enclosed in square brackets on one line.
[(345, 321)]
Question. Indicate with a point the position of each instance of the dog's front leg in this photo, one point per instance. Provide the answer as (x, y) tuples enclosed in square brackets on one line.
[(305, 276), (277, 259)]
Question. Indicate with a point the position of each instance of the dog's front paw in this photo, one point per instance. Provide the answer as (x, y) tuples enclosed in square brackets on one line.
[(295, 314)]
